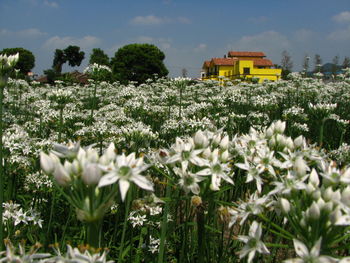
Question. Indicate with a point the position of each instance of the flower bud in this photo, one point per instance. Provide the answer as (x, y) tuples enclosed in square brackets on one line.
[(91, 174), (61, 175), (345, 196), (300, 166), (327, 194), (92, 155), (316, 194), (280, 139), (285, 205), (224, 156), (299, 141), (206, 153), (216, 139), (321, 204), (224, 143), (335, 215), (328, 207), (47, 163), (289, 143), (200, 140), (110, 152), (314, 211), (196, 200), (269, 132), (280, 126), (313, 178)]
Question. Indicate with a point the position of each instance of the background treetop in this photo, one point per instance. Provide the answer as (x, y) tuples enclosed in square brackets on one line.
[(26, 61), (138, 62)]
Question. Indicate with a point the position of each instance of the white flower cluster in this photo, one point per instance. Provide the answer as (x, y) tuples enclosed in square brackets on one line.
[(8, 61), (13, 214), (81, 255), (297, 182), (84, 168), (96, 68), (194, 159)]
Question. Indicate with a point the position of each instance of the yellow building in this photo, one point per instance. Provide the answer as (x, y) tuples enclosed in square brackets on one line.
[(241, 65)]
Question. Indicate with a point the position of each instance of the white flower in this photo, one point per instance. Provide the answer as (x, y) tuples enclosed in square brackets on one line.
[(309, 256), (252, 242), (188, 181), (184, 152), (217, 170), (126, 169), (252, 174)]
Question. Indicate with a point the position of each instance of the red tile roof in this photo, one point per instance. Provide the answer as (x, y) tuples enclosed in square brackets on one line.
[(246, 54), (262, 62), (206, 64), (222, 61)]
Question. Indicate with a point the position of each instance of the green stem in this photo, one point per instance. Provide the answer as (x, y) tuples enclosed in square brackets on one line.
[(320, 142), (93, 233), (180, 104), (164, 225), (201, 234), (61, 125), (342, 137), (48, 233), (125, 225), (66, 226), (282, 230), (2, 86)]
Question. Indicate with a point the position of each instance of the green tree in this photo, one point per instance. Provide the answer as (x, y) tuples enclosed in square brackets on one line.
[(335, 65), (98, 56), (59, 60), (346, 63), (138, 62), (306, 64), (286, 64), (26, 61), (318, 63), (71, 54)]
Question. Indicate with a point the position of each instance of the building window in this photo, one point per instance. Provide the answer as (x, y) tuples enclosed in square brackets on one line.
[(246, 71)]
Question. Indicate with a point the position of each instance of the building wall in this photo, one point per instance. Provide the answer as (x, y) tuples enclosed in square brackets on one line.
[(236, 71)]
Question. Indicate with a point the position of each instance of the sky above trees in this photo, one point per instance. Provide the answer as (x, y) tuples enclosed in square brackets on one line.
[(188, 32)]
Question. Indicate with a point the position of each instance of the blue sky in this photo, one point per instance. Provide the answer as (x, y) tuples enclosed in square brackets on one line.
[(188, 32)]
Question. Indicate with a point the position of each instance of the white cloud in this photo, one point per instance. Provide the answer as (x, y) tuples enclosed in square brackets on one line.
[(183, 20), (50, 4), (343, 17), (268, 40), (151, 20), (62, 42), (145, 39), (47, 3), (25, 33), (340, 35), (162, 43), (147, 20), (201, 47), (272, 43), (258, 19), (304, 35)]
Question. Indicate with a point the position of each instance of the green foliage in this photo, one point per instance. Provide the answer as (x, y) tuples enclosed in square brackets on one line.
[(26, 59), (51, 75), (99, 57), (138, 62), (71, 54)]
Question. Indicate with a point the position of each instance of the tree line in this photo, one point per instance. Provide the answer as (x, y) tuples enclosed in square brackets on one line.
[(334, 68), (133, 62)]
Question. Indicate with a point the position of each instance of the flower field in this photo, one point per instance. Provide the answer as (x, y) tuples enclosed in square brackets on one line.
[(176, 171)]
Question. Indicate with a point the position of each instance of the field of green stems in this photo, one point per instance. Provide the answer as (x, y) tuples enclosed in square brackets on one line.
[(176, 171)]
